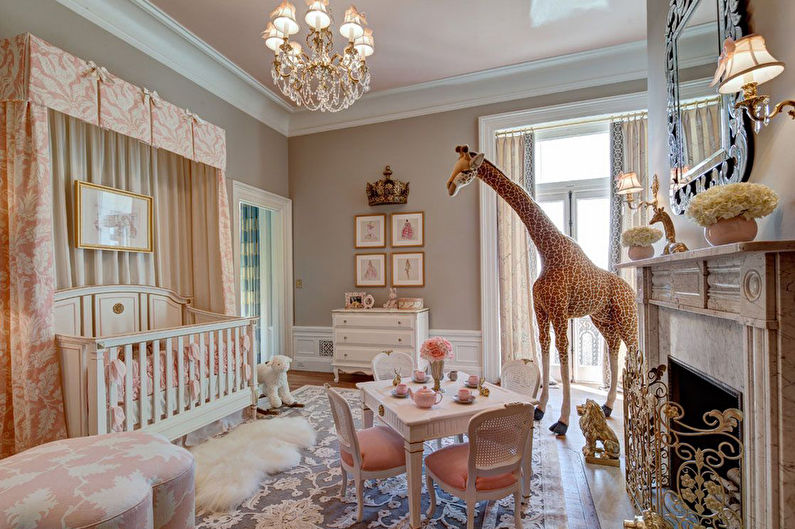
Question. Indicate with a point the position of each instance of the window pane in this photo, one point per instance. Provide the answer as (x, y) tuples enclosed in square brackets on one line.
[(573, 158), (593, 228), (554, 210)]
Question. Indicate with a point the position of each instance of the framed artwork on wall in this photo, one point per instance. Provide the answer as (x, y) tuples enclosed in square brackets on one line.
[(371, 270), (408, 269), (112, 219), (408, 229), (370, 231)]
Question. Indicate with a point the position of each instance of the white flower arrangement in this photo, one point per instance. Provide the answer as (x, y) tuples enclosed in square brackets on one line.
[(641, 236), (732, 200)]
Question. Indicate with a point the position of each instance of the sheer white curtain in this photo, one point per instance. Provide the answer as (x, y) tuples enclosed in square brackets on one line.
[(702, 130), (185, 210), (517, 321)]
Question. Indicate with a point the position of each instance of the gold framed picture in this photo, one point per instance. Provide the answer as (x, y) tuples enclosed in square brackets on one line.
[(370, 231), (408, 229), (408, 269), (370, 270), (112, 219)]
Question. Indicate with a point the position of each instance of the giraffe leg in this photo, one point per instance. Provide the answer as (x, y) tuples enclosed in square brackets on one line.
[(543, 337), (560, 326), (611, 335)]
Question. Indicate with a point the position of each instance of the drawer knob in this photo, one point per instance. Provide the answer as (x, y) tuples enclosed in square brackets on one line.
[(344, 321), (399, 322), (344, 337), (118, 308), (400, 339), (345, 355)]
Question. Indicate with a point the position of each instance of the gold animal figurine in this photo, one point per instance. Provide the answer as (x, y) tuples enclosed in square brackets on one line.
[(397, 378), (594, 427), (482, 389), (672, 245)]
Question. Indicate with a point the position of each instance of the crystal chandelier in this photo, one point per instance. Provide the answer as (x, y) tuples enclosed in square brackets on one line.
[(322, 80)]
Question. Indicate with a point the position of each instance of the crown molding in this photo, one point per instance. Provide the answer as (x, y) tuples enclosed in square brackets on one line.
[(625, 62), (149, 29)]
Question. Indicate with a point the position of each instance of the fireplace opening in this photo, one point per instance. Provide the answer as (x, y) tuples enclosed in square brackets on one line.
[(698, 393)]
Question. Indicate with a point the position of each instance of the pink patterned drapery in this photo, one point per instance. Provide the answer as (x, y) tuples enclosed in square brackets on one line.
[(36, 76), (32, 69), (31, 401)]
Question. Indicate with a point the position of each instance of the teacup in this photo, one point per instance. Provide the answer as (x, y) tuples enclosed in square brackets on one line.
[(473, 380), (419, 376), (401, 389), (464, 394), (453, 375)]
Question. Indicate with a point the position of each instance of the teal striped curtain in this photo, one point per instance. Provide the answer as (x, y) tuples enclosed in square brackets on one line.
[(250, 270)]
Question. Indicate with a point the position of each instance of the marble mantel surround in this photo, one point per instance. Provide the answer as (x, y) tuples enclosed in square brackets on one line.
[(729, 311)]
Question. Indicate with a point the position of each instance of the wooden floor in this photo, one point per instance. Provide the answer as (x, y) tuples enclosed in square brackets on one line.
[(297, 379)]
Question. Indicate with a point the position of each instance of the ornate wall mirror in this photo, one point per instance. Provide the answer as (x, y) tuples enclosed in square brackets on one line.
[(708, 142)]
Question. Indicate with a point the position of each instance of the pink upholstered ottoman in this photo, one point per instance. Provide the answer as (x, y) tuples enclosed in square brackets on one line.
[(121, 480)]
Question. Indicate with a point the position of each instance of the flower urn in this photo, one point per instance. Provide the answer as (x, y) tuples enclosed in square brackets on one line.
[(640, 252), (735, 229)]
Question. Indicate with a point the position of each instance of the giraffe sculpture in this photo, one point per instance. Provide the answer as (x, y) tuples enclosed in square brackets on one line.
[(569, 285)]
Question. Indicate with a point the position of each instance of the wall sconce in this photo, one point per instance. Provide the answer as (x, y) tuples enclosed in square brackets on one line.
[(744, 65), (628, 184)]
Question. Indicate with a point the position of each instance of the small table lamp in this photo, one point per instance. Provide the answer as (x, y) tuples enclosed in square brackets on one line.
[(743, 66)]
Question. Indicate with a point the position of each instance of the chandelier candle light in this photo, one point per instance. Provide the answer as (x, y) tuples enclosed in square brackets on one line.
[(322, 80)]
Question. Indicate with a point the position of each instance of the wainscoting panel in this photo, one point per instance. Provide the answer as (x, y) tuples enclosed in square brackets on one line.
[(313, 349)]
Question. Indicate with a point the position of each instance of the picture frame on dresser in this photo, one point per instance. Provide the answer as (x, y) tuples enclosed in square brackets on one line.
[(107, 218), (370, 269), (369, 231), (408, 269), (407, 229)]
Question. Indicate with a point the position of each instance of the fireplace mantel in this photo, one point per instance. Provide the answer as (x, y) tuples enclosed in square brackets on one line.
[(729, 311)]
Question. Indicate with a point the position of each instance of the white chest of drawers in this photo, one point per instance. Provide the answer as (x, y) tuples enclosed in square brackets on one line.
[(359, 335)]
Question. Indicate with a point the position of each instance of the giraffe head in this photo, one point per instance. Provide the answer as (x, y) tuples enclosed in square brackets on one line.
[(464, 170)]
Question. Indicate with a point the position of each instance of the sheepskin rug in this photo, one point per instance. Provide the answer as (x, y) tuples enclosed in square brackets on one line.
[(229, 468)]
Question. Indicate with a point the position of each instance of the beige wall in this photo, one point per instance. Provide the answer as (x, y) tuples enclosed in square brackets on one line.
[(774, 156), (256, 153), (328, 172)]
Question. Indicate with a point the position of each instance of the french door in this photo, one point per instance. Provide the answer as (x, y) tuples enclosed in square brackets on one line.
[(581, 210)]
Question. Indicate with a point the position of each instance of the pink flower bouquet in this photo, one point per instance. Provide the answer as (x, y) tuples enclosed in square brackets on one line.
[(436, 349)]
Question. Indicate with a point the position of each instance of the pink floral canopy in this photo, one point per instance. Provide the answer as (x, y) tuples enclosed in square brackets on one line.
[(36, 76)]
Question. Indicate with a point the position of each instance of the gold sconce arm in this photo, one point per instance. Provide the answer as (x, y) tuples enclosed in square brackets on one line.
[(755, 105), (661, 216)]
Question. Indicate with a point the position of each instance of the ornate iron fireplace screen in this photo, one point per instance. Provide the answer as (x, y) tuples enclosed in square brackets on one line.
[(705, 491)]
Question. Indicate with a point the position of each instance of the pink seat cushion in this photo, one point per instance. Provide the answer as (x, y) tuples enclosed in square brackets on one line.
[(449, 464), (381, 448), (118, 480)]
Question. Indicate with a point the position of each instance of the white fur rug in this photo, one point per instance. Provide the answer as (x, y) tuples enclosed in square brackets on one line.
[(229, 469)]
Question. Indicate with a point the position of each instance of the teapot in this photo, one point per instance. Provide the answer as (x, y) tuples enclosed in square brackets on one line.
[(425, 398)]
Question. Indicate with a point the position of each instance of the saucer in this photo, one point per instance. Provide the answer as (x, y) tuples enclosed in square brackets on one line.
[(419, 381), (470, 386), (398, 396), (470, 401)]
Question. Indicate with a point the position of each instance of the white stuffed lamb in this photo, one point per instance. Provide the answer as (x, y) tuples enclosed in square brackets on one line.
[(272, 378)]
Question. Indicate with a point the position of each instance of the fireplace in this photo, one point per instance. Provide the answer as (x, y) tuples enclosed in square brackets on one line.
[(698, 394)]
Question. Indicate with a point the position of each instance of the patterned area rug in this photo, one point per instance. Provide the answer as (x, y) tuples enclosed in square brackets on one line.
[(307, 496)]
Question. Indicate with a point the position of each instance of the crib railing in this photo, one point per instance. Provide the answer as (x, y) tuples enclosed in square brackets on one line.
[(170, 381)]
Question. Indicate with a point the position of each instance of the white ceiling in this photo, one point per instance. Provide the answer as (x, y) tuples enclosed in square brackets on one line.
[(427, 40)]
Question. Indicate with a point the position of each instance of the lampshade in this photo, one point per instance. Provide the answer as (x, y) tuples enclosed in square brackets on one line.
[(628, 183), (273, 37), (353, 26), (750, 63), (317, 16), (283, 18), (365, 44)]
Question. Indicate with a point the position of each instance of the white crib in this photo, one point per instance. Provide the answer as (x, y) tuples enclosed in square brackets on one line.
[(141, 357)]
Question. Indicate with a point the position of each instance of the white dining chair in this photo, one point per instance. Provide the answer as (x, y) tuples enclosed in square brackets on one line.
[(490, 465), (384, 365), (372, 453), (521, 376)]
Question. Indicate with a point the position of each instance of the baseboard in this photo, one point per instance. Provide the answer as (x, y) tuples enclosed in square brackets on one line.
[(312, 349)]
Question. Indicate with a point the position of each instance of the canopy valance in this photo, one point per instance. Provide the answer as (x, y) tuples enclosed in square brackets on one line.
[(34, 70)]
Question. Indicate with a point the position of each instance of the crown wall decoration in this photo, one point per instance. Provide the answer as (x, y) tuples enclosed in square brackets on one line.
[(387, 190)]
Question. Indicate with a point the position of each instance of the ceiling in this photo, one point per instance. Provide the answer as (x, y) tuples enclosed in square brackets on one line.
[(426, 40)]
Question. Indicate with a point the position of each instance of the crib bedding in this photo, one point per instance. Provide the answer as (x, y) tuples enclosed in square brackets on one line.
[(195, 357)]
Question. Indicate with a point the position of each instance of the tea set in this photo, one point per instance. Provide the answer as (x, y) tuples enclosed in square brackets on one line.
[(427, 398)]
